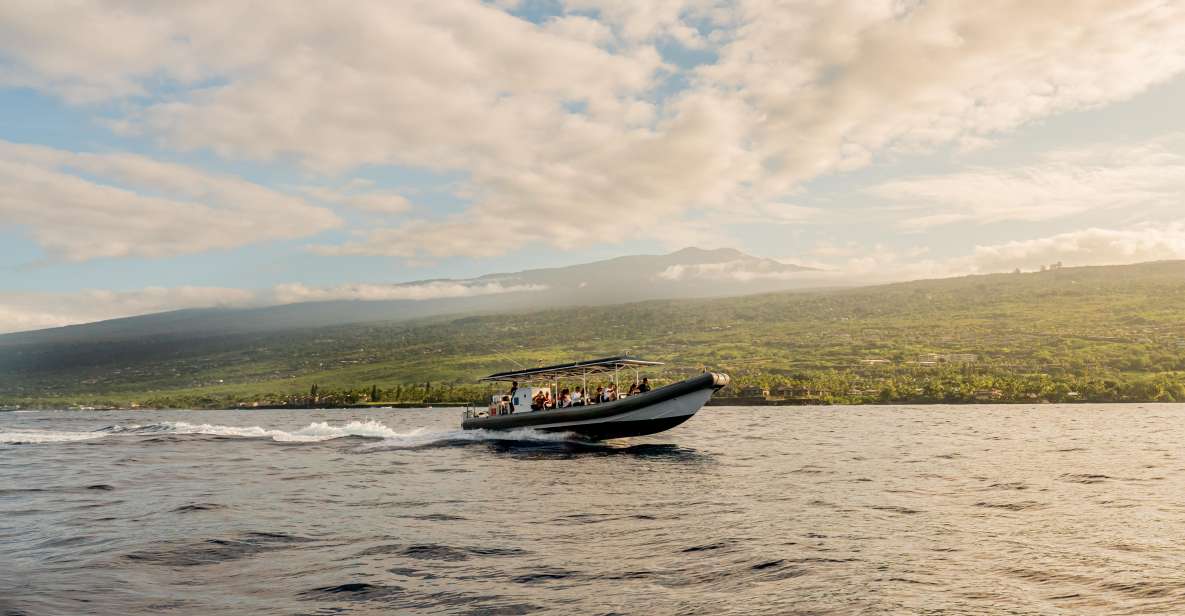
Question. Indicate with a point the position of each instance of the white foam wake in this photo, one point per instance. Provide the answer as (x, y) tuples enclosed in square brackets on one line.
[(314, 432), (26, 437), (425, 438)]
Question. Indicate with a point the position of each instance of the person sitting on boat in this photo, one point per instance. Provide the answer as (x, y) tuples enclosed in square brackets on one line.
[(578, 397), (600, 395), (539, 401), (645, 386), (565, 399), (633, 390), (610, 393)]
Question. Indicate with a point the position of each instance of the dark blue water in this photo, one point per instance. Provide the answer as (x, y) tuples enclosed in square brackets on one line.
[(871, 510)]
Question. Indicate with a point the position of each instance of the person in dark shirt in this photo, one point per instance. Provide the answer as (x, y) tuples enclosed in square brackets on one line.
[(513, 390), (645, 386)]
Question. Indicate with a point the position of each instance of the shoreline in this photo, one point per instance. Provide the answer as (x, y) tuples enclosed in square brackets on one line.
[(456, 405)]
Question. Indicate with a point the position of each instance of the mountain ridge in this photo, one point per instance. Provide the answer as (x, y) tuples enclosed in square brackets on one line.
[(1109, 333), (610, 281)]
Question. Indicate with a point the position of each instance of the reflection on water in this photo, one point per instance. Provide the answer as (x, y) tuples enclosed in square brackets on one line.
[(577, 449), (942, 510)]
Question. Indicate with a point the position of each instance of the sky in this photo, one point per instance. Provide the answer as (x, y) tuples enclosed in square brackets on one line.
[(156, 156)]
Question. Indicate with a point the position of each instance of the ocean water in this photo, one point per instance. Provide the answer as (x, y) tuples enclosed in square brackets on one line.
[(801, 510)]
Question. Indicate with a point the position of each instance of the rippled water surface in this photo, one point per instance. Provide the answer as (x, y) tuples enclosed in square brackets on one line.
[(869, 510)]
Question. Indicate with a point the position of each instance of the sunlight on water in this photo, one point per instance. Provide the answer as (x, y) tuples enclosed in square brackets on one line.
[(956, 510)]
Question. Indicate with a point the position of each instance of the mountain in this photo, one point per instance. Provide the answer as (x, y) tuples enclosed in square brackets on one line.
[(691, 272), (688, 273), (1112, 333)]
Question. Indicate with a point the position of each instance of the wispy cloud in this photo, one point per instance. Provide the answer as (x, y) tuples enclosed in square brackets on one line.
[(436, 289), (25, 311), (740, 270), (1086, 247), (1144, 177), (360, 195), (851, 264), (82, 206)]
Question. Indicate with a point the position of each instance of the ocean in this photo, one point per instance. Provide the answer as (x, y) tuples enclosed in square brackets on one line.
[(794, 510)]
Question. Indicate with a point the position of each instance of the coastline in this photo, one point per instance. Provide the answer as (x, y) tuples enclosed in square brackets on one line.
[(727, 403)]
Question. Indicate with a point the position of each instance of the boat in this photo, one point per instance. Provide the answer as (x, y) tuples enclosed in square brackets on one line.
[(639, 414)]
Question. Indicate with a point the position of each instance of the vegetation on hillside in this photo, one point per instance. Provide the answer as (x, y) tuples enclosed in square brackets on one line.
[(1073, 334)]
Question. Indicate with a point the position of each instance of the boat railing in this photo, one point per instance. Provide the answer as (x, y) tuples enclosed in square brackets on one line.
[(481, 409)]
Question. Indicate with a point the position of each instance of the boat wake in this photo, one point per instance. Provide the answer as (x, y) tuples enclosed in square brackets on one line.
[(423, 438), (316, 432), (31, 437), (312, 433)]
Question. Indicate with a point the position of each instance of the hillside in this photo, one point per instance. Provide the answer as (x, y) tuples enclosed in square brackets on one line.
[(687, 273), (1100, 333)]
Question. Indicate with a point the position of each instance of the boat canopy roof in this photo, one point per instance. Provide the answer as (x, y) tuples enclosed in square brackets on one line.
[(576, 369)]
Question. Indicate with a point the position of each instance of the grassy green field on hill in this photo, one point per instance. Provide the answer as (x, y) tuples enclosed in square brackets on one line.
[(1077, 334)]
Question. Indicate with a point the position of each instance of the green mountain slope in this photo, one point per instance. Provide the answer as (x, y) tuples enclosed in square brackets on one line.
[(1102, 333)]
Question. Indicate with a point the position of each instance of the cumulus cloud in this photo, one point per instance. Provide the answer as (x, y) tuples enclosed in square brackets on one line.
[(435, 289), (81, 206), (563, 130), (636, 22), (26, 311), (832, 84)]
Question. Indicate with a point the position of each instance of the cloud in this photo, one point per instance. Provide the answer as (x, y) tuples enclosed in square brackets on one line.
[(577, 131), (854, 265), (436, 289), (636, 22), (1085, 247), (832, 84), (739, 270), (1146, 176), (359, 196), (81, 206), (848, 265), (26, 311)]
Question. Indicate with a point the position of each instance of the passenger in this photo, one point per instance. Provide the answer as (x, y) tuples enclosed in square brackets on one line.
[(600, 397), (539, 401), (578, 397), (610, 393), (645, 386), (513, 390), (565, 398), (507, 407), (633, 390)]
